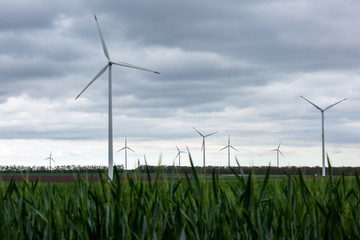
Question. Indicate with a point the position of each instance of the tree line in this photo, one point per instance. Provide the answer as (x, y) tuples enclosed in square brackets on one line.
[(257, 170)]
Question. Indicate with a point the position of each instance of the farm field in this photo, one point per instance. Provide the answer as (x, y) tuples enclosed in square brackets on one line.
[(48, 177), (189, 207), (95, 177)]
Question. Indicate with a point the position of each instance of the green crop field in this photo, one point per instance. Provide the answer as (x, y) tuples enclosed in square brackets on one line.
[(183, 208)]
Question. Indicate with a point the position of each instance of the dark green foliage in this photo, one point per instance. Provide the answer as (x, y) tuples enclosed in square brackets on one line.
[(56, 169), (183, 207), (257, 170)]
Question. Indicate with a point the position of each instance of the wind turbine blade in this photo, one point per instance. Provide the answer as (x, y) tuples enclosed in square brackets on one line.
[(279, 145), (234, 148), (223, 148), (211, 134), (203, 144), (130, 149), (97, 75), (176, 156), (121, 149), (198, 132), (102, 40), (311, 103), (334, 104), (123, 64), (281, 153), (177, 148)]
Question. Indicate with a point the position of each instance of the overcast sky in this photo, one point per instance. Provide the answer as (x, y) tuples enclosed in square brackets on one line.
[(232, 67)]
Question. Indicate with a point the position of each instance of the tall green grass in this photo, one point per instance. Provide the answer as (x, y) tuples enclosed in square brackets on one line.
[(190, 208)]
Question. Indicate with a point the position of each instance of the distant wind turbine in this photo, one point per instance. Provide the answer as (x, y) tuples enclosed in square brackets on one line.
[(109, 65), (179, 153), (126, 148), (277, 154), (322, 125), (228, 147), (50, 159), (203, 143)]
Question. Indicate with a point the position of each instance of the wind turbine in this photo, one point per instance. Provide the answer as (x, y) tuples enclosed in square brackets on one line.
[(126, 148), (277, 154), (50, 159), (228, 147), (322, 125), (178, 155), (203, 143), (109, 65)]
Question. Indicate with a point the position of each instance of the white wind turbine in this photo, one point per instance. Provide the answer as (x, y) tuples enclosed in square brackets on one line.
[(322, 125), (126, 148), (277, 154), (203, 143), (179, 153), (109, 65), (50, 159), (228, 147)]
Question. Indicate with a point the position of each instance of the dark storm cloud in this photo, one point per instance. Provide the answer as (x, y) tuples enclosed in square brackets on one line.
[(295, 35)]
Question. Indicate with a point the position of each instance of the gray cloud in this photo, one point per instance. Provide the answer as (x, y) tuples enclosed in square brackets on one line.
[(234, 67)]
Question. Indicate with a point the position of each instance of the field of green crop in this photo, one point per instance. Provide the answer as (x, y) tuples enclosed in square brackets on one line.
[(190, 208)]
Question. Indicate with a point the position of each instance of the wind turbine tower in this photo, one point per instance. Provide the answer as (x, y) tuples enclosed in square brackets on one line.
[(322, 126), (277, 154), (228, 147), (109, 65), (179, 153), (203, 143), (50, 159), (126, 148)]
